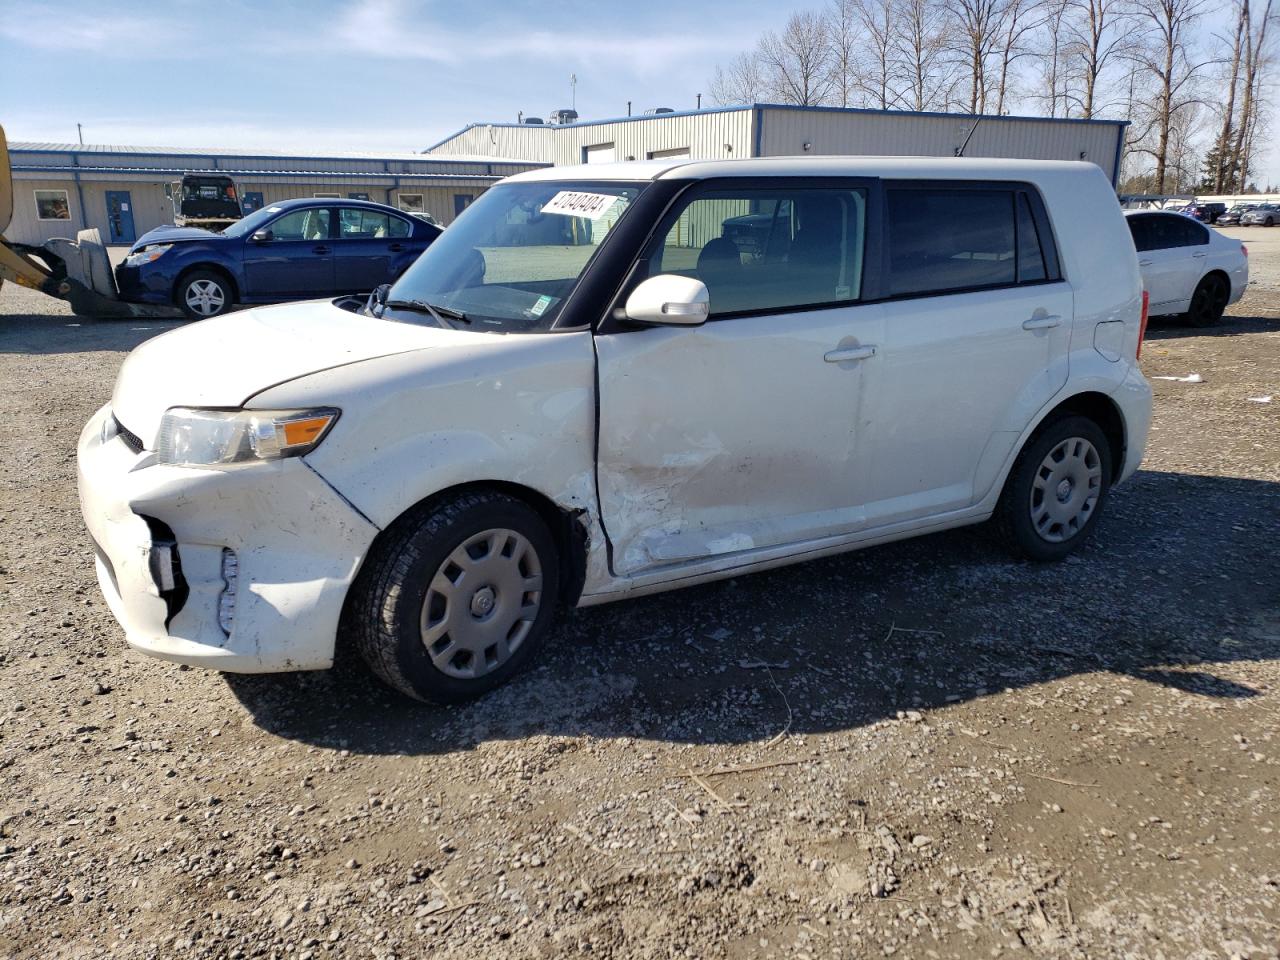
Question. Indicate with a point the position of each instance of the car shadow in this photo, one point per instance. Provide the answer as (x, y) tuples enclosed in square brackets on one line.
[(47, 333), (1182, 578), (1170, 327)]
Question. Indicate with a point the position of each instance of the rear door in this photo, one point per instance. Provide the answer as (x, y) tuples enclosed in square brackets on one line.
[(1164, 258), (976, 339), (366, 248), (297, 262)]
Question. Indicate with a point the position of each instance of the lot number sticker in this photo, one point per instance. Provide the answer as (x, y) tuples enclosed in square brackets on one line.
[(570, 203)]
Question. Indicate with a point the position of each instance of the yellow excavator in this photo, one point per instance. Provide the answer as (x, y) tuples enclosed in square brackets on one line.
[(78, 271)]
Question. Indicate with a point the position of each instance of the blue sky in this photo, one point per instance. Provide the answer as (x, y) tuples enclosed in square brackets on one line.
[(359, 75)]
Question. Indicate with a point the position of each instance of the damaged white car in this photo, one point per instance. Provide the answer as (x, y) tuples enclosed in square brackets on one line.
[(607, 381)]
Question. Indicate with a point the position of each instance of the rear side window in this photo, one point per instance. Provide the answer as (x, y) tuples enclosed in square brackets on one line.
[(1164, 231), (946, 239)]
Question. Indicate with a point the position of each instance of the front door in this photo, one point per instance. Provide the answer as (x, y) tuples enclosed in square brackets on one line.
[(120, 217), (297, 262), (461, 201), (977, 332), (741, 434), (251, 201)]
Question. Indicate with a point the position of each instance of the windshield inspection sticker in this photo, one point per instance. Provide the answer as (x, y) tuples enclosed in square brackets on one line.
[(539, 308), (570, 203)]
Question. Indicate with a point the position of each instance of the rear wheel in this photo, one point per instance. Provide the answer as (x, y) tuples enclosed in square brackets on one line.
[(1056, 490), (203, 294), (1208, 302), (458, 598)]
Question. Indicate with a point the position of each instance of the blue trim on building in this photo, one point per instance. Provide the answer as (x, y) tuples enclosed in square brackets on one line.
[(757, 125), (254, 174), (15, 151), (1115, 167)]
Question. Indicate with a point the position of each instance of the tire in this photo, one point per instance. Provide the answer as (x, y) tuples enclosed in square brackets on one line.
[(1035, 527), (1208, 302), (203, 294), (426, 631), (1269, 223)]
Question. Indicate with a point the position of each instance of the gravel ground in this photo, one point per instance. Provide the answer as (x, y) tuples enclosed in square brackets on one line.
[(920, 750)]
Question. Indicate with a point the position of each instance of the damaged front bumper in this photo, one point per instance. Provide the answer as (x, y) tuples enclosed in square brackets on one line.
[(242, 569)]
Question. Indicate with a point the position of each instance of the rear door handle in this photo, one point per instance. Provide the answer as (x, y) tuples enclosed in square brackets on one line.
[(1042, 323), (1145, 263), (1199, 256), (320, 249), (396, 247), (850, 353)]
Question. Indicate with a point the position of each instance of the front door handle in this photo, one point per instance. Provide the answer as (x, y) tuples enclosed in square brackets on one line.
[(1145, 263), (1199, 256), (1042, 322), (320, 249), (849, 353)]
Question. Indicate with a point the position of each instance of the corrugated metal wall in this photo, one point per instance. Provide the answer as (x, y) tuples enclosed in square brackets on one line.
[(837, 133), (710, 135)]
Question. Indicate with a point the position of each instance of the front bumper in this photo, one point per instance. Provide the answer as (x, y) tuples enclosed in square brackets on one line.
[(298, 545), (144, 284)]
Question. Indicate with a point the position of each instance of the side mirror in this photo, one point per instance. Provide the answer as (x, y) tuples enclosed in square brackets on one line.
[(262, 236), (669, 300), (379, 296)]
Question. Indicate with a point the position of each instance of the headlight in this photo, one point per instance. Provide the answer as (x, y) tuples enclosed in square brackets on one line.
[(149, 255), (210, 437)]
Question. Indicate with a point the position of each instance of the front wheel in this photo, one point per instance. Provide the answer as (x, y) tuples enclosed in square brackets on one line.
[(1056, 490), (203, 294), (458, 598), (1208, 302)]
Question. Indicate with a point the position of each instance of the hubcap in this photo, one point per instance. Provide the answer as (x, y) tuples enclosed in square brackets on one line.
[(205, 297), (482, 603), (1065, 491)]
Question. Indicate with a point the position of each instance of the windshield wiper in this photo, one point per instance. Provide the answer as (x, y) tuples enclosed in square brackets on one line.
[(437, 313)]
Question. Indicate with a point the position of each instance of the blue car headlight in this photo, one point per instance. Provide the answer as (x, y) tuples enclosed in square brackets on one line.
[(147, 255)]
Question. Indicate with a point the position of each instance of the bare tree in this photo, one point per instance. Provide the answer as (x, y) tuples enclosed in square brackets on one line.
[(1257, 57), (843, 37), (798, 60), (1018, 18), (924, 39), (1098, 33), (742, 81), (1167, 60), (877, 22), (1052, 57), (977, 24)]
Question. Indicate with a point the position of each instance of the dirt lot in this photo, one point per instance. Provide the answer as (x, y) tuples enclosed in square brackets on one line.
[(921, 750)]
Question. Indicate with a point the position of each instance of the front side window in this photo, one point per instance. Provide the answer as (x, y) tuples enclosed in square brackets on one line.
[(768, 249), (302, 225), (511, 260)]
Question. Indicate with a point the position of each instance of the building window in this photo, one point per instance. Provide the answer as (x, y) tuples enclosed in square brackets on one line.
[(52, 205), (411, 203), (327, 196), (675, 153)]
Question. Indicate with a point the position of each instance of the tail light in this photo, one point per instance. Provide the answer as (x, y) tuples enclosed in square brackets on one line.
[(1244, 250), (1142, 324)]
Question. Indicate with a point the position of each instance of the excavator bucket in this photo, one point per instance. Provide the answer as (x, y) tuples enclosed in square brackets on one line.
[(78, 271)]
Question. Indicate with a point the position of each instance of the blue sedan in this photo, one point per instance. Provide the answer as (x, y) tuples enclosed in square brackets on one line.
[(293, 250)]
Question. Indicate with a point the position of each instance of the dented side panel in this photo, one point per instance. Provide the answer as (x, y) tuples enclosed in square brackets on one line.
[(732, 436)]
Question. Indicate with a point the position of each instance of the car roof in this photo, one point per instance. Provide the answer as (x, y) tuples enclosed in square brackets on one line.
[(1158, 213), (329, 201), (942, 168)]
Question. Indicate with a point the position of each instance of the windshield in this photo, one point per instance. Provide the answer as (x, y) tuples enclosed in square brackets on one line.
[(254, 221), (512, 259)]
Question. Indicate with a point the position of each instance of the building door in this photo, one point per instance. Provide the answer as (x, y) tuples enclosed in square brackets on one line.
[(120, 217), (461, 201), (252, 201)]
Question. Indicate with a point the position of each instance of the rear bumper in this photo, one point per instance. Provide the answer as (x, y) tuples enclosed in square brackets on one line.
[(297, 546), (1133, 397)]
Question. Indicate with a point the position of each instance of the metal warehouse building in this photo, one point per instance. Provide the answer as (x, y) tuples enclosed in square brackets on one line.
[(62, 188), (772, 130)]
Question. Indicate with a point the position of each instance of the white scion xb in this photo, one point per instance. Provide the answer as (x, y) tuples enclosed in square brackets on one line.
[(613, 380)]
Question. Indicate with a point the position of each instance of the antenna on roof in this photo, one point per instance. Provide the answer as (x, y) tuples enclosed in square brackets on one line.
[(573, 91), (960, 149)]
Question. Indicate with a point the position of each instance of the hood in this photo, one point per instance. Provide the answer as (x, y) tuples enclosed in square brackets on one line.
[(172, 235), (224, 361)]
